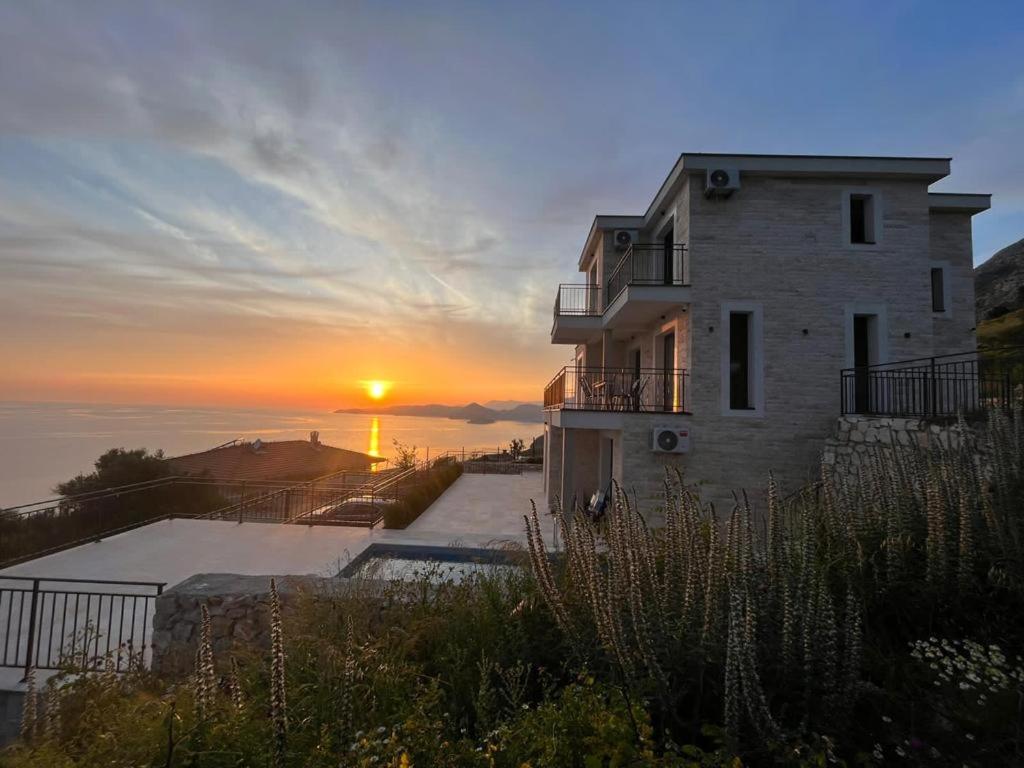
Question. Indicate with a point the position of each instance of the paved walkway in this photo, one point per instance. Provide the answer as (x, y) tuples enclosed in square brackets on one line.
[(484, 505)]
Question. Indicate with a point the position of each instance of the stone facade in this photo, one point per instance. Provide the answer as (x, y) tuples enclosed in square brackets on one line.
[(857, 437), (239, 614), (779, 246)]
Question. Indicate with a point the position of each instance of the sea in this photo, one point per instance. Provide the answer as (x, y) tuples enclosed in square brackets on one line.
[(42, 444)]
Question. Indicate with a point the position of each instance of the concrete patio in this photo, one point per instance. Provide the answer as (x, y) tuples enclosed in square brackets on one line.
[(476, 511)]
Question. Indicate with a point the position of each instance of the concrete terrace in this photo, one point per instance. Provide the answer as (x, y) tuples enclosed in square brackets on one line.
[(477, 510)]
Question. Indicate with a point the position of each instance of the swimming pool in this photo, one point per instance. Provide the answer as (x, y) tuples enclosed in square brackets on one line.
[(413, 562)]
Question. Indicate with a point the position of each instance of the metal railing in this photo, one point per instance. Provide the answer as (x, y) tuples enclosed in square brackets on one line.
[(324, 501), (618, 389), (578, 300), (647, 264), (941, 386), (75, 624), (347, 497)]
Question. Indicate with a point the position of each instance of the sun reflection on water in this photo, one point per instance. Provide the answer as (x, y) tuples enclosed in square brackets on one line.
[(374, 449)]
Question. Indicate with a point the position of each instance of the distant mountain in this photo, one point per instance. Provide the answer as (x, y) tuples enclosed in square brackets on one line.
[(999, 283), (508, 405), (474, 413)]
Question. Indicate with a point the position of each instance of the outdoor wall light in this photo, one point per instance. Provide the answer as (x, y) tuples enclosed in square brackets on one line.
[(906, 335), (711, 329), (805, 331)]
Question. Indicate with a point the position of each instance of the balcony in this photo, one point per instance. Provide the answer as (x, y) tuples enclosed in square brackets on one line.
[(577, 313), (617, 390), (936, 387), (649, 280)]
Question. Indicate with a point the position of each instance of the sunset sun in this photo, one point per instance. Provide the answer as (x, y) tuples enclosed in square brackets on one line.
[(377, 389)]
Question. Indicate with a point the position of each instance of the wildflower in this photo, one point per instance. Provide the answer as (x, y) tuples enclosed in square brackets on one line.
[(278, 704), (30, 708)]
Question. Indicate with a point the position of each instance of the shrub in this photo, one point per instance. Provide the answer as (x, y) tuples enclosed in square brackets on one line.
[(85, 511), (424, 491)]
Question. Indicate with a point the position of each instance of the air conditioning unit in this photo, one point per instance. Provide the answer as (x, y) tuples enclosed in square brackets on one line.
[(721, 182), (624, 238), (670, 439)]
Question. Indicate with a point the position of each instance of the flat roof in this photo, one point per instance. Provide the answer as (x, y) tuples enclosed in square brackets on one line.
[(959, 202), (929, 169), (607, 221)]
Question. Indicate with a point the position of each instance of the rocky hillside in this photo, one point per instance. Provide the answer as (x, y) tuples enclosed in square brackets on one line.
[(999, 283)]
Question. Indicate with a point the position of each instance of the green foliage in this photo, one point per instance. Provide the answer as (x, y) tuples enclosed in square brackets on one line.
[(862, 622), (118, 467), (1004, 327), (85, 511), (516, 448), (423, 490), (405, 455)]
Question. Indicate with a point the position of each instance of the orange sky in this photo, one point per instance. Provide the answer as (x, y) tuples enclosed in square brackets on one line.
[(323, 371)]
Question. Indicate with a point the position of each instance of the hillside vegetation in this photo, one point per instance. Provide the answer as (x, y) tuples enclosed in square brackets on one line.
[(1003, 331), (999, 283)]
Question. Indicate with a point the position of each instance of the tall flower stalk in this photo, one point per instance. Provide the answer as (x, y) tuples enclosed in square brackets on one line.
[(278, 703)]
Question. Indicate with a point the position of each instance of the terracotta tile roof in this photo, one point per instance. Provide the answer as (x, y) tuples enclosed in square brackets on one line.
[(281, 460)]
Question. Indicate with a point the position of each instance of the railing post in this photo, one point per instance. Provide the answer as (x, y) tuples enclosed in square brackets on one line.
[(934, 388), (241, 505), (31, 628)]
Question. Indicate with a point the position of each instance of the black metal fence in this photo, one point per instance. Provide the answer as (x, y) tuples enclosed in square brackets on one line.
[(940, 386), (75, 624), (345, 499), (647, 264), (618, 389), (579, 300)]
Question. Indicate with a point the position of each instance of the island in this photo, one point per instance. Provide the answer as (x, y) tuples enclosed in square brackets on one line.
[(474, 413)]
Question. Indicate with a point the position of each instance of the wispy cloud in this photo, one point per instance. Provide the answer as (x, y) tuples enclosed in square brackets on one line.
[(334, 186)]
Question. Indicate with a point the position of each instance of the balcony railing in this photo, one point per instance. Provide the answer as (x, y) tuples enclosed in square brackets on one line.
[(941, 386), (617, 389), (578, 300), (647, 264)]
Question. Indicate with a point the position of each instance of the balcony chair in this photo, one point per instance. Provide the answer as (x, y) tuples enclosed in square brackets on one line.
[(636, 392), (588, 392)]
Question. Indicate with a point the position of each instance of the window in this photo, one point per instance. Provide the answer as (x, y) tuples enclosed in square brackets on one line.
[(741, 336), (739, 361), (862, 219), (938, 290)]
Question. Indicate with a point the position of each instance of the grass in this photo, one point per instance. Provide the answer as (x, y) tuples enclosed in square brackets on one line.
[(1005, 331)]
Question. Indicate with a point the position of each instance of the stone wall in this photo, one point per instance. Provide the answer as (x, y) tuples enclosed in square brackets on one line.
[(856, 437), (239, 614)]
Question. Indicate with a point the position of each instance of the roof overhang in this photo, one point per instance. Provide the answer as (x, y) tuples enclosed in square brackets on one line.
[(927, 169), (602, 223), (954, 202)]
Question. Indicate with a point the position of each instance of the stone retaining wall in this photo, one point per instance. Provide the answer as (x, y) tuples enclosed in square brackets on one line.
[(857, 437), (239, 614)]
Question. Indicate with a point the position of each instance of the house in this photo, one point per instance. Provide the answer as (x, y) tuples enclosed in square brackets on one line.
[(283, 460), (711, 332)]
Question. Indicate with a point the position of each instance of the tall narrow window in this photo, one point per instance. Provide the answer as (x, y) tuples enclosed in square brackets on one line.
[(938, 289), (739, 361), (862, 219)]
